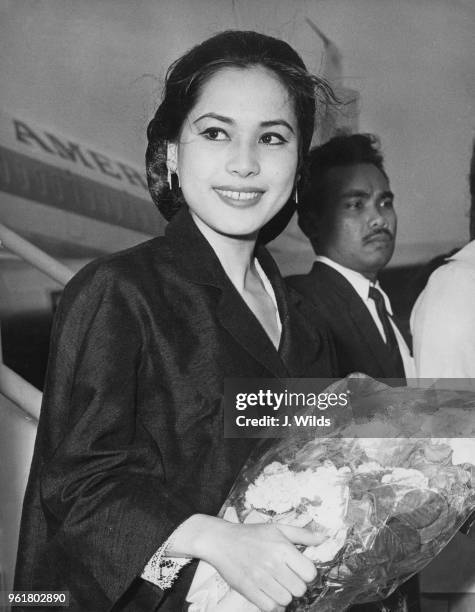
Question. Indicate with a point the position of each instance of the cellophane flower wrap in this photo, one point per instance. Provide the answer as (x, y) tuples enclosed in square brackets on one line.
[(386, 492)]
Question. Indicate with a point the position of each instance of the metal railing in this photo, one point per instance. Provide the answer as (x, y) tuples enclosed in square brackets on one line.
[(35, 256), (20, 392), (13, 386)]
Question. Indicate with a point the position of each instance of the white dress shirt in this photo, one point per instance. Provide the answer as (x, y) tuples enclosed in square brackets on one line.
[(270, 291), (443, 320), (362, 285)]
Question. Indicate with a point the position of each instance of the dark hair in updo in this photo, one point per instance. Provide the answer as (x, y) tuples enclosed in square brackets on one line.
[(184, 82)]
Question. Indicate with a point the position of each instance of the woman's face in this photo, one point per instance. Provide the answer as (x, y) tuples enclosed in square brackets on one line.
[(237, 152)]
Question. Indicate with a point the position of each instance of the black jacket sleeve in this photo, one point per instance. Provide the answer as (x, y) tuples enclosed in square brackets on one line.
[(102, 483)]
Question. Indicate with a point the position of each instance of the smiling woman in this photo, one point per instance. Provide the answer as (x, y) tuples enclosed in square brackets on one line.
[(237, 154), (131, 464)]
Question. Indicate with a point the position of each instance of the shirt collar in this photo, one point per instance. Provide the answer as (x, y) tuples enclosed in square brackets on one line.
[(199, 263), (466, 253), (360, 283)]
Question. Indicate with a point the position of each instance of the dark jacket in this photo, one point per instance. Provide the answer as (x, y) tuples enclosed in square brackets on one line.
[(130, 440), (359, 348), (358, 342)]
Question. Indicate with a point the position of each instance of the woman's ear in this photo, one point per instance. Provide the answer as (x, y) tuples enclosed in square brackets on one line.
[(172, 152)]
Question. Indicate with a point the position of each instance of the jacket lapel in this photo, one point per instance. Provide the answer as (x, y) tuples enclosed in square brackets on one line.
[(204, 268), (299, 344), (363, 322), (239, 321)]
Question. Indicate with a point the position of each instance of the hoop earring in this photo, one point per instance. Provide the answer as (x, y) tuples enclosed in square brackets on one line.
[(296, 195), (170, 174)]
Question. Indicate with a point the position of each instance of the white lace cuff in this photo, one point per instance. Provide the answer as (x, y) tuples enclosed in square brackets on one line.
[(161, 570)]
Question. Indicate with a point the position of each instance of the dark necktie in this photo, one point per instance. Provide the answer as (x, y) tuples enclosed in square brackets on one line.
[(391, 341)]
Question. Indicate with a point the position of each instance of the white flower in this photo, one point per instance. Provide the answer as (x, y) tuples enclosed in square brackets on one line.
[(329, 485), (274, 490), (406, 477), (387, 451), (369, 467), (323, 491), (463, 450)]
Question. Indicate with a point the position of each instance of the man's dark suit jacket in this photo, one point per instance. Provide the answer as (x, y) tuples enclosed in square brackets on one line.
[(359, 348), (130, 440), (358, 342)]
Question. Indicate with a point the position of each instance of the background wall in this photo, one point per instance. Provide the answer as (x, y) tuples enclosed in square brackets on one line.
[(93, 69)]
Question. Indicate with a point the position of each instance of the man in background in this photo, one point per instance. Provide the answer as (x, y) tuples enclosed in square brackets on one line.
[(347, 212)]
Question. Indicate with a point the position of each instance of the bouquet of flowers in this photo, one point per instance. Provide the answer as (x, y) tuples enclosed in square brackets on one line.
[(386, 493)]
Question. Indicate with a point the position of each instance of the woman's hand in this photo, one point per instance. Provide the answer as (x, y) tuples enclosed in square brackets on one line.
[(259, 561)]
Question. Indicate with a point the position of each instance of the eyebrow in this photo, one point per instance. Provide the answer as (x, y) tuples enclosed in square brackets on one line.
[(229, 121), (360, 193)]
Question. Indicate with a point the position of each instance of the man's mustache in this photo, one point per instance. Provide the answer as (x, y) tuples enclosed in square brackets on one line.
[(379, 232)]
